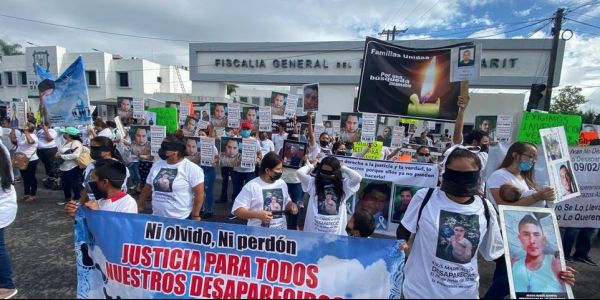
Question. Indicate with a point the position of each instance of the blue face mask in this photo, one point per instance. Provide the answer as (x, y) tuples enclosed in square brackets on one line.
[(245, 133), (525, 166)]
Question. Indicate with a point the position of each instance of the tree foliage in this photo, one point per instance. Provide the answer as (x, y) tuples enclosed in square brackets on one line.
[(10, 49), (231, 88), (568, 101)]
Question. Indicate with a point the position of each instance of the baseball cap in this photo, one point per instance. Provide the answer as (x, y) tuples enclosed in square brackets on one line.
[(71, 131), (246, 125)]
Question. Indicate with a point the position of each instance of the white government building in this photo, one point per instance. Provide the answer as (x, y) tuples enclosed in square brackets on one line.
[(259, 68)]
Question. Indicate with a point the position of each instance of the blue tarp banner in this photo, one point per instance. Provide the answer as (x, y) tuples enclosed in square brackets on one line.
[(64, 101), (143, 256)]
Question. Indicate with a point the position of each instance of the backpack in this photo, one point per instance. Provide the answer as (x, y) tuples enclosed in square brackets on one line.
[(428, 196)]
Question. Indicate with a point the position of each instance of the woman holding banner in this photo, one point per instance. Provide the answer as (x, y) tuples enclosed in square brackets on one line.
[(8, 212), (518, 169)]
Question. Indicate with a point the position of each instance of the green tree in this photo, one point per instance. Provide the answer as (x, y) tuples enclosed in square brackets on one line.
[(10, 49), (588, 117), (231, 88), (568, 101)]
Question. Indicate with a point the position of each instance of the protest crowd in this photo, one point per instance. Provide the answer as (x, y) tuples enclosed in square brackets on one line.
[(290, 173)]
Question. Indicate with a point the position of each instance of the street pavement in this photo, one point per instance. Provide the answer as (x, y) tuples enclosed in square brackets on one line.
[(40, 242)]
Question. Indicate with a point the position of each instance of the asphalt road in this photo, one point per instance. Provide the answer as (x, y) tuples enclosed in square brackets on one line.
[(40, 242)]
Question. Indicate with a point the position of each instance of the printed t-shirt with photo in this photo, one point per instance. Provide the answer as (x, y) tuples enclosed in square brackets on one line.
[(172, 188), (431, 270), (503, 176), (253, 198)]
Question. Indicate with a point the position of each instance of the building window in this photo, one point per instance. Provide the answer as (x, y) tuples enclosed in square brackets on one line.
[(92, 78), (244, 99), (23, 78), (9, 78), (256, 100), (159, 79), (123, 78)]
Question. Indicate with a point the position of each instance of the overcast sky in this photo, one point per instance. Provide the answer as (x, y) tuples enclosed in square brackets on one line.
[(299, 20)]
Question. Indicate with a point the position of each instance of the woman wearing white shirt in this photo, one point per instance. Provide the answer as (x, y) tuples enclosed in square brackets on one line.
[(27, 143), (70, 172), (332, 181), (8, 212), (266, 145), (47, 146), (101, 130), (175, 183)]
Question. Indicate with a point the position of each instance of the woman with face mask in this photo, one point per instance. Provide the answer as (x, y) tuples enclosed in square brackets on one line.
[(450, 224), (518, 169), (70, 171), (27, 143), (320, 148), (264, 199), (175, 183), (331, 181)]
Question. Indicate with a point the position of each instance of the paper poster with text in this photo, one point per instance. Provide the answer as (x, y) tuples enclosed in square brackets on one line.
[(185, 109), (408, 82), (504, 125), (466, 63), (138, 108), (207, 151), (558, 162), (290, 106), (398, 136), (583, 211), (369, 128), (264, 119), (18, 114), (138, 256), (249, 153), (235, 112), (64, 101), (380, 192), (157, 135)]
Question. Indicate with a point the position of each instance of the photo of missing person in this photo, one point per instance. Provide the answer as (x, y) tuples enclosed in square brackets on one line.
[(384, 135), (553, 147), (402, 197), (192, 149), (565, 179), (139, 135), (466, 56), (231, 152), (250, 114), (328, 203), (278, 102), (351, 126), (487, 124), (189, 127), (533, 253), (218, 115), (273, 202), (374, 197), (458, 237), (125, 110), (293, 154), (311, 97), (201, 111), (163, 182)]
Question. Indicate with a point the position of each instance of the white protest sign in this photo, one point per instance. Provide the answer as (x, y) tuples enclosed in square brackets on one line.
[(248, 153), (202, 125), (233, 115), (465, 63), (207, 151), (264, 119), (157, 135), (504, 128), (291, 105), (138, 108), (369, 128), (558, 162), (184, 112), (397, 136)]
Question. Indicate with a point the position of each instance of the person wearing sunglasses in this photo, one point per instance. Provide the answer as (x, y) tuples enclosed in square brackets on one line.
[(423, 155)]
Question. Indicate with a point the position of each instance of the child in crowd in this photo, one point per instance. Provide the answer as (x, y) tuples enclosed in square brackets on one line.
[(511, 193)]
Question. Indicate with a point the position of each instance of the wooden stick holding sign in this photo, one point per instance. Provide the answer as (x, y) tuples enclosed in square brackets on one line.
[(120, 127)]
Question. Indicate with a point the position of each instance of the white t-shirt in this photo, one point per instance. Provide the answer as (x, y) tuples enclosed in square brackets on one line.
[(258, 195), (433, 269), (8, 199), (278, 141), (87, 174), (5, 134), (25, 147), (542, 280), (267, 146), (503, 176), (318, 152), (125, 204), (43, 143), (107, 133), (249, 170), (172, 188), (326, 213)]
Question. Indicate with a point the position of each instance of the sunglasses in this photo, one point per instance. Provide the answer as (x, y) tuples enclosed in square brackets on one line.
[(425, 154)]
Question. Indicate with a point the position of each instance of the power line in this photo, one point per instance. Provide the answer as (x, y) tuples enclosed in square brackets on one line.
[(509, 31), (420, 18), (583, 23)]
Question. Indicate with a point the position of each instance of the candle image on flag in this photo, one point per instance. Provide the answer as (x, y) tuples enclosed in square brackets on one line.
[(428, 103), (428, 84)]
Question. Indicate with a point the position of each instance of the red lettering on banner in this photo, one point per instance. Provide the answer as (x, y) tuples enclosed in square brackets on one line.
[(135, 278), (167, 282), (309, 295), (260, 267), (180, 281), (196, 285), (277, 291), (289, 294), (217, 286), (126, 276), (265, 291), (125, 255), (206, 291), (109, 270), (253, 291), (146, 258), (155, 281), (229, 289), (312, 282), (145, 276), (241, 290)]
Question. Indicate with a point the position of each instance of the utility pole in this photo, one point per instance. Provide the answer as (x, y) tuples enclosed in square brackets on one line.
[(393, 32), (558, 17)]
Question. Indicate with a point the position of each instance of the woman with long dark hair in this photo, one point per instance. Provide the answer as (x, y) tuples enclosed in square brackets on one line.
[(329, 187), (70, 170), (8, 212), (27, 143)]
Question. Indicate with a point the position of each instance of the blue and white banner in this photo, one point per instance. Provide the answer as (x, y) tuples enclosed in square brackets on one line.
[(64, 101), (142, 256)]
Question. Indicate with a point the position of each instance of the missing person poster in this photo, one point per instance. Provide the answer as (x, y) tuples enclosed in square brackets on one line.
[(466, 63), (218, 115), (408, 82), (351, 127), (264, 119), (381, 181), (191, 259), (18, 114), (397, 136), (311, 97), (158, 134), (249, 153), (201, 111), (504, 124), (369, 128), (125, 109), (138, 107), (558, 162), (150, 118), (207, 151), (278, 101), (64, 101), (533, 252), (231, 152), (233, 117), (185, 110), (293, 154), (290, 106)]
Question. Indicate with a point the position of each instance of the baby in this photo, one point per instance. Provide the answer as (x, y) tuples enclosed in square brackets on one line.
[(511, 193)]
